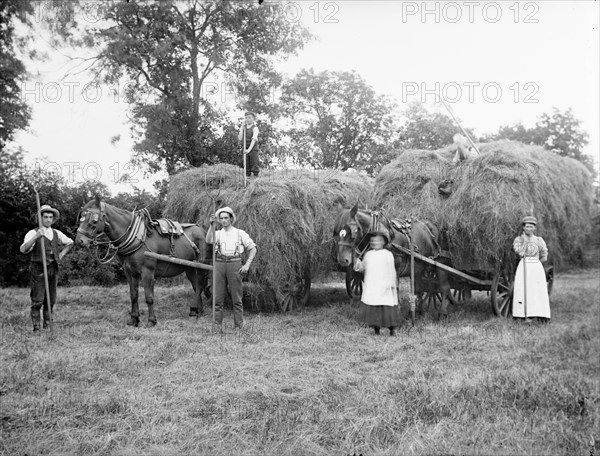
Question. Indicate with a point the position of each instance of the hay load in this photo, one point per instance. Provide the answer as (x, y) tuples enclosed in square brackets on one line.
[(480, 202), (289, 214)]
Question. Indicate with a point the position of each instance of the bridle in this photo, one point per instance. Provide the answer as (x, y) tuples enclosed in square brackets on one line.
[(98, 221), (355, 231)]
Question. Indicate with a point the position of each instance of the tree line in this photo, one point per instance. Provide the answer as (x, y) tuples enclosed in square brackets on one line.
[(169, 55)]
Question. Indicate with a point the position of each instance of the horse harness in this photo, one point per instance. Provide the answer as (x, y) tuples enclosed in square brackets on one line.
[(170, 228), (134, 236)]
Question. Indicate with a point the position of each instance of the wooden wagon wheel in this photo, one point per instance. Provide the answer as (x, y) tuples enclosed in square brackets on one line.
[(297, 296), (354, 283), (462, 294), (433, 298), (502, 293)]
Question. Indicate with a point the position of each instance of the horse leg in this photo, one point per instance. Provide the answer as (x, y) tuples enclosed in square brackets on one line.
[(148, 282), (444, 285), (134, 283), (195, 277)]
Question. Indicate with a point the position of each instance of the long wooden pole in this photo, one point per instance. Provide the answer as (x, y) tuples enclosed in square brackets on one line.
[(45, 267), (244, 150), (525, 284), (450, 269), (214, 255), (170, 259), (460, 126), (412, 282)]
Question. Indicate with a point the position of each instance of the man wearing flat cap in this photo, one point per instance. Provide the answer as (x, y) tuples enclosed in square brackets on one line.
[(56, 246), (229, 244)]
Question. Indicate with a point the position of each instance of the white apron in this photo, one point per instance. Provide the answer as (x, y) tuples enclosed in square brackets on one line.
[(538, 302)]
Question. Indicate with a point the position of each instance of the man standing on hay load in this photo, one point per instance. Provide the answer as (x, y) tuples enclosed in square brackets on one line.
[(229, 246), (249, 132), (530, 296), (379, 300), (32, 245)]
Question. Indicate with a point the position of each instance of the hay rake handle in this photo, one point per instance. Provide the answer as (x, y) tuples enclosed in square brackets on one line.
[(470, 278), (171, 259)]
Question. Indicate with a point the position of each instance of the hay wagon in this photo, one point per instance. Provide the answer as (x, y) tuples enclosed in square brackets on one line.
[(466, 274)]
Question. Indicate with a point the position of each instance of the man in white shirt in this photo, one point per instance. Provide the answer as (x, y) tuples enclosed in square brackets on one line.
[(230, 243), (53, 240), (464, 149)]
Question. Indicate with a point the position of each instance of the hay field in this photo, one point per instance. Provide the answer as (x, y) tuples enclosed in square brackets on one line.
[(314, 383)]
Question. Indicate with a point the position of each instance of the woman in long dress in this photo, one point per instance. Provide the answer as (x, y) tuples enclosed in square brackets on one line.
[(530, 295), (379, 298)]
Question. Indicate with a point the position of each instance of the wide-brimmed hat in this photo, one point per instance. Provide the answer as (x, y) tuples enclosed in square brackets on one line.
[(228, 210), (48, 208), (529, 219)]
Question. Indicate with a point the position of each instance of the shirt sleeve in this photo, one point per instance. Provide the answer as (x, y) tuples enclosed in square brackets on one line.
[(65, 240), (246, 240), (28, 237), (518, 246), (543, 249), (255, 133)]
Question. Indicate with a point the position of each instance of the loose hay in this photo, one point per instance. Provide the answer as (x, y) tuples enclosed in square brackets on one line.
[(289, 214), (490, 195)]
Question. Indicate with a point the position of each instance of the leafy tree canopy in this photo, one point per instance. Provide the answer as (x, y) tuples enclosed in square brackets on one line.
[(337, 120), (169, 54), (559, 132), (426, 130)]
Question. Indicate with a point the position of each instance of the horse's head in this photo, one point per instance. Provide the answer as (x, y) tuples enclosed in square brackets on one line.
[(92, 222), (350, 227)]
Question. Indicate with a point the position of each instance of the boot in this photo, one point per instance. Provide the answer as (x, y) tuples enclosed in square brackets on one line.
[(46, 319), (35, 318), (376, 328), (392, 331)]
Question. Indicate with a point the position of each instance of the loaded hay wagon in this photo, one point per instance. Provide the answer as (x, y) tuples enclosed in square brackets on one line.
[(478, 205), (288, 213)]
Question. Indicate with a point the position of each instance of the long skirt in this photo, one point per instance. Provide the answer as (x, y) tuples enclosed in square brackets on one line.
[(382, 316), (538, 302)]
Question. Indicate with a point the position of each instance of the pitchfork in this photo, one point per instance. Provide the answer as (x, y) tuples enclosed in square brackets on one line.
[(215, 200)]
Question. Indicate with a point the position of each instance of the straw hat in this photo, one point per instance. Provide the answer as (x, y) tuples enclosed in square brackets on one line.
[(228, 210), (529, 219), (48, 208)]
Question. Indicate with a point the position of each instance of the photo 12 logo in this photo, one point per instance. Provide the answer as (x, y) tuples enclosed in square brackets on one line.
[(74, 172), (470, 12), (72, 91), (469, 91)]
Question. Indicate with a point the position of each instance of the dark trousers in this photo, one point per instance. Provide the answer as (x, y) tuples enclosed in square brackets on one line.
[(252, 163), (227, 273), (38, 289)]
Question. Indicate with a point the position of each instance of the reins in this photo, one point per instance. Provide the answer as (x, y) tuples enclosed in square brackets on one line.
[(115, 245)]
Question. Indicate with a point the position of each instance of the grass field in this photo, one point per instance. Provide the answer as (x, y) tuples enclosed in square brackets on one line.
[(313, 382)]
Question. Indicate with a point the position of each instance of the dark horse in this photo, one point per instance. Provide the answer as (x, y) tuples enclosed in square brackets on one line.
[(133, 233), (351, 229)]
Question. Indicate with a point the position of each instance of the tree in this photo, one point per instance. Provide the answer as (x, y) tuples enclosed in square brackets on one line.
[(14, 112), (425, 130), (337, 120), (563, 135), (18, 209), (169, 53), (560, 133)]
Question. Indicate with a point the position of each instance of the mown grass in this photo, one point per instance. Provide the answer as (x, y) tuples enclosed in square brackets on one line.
[(314, 382)]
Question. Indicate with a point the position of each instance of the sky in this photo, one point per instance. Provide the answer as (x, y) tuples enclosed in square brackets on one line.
[(495, 63)]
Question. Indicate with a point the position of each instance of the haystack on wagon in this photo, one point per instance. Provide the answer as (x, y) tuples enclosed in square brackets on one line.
[(478, 204), (288, 213)]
